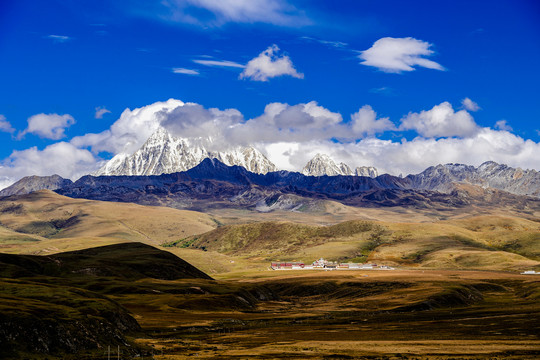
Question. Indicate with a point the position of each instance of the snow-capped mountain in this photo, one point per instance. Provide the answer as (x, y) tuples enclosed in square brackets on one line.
[(163, 153), (322, 164), (368, 171)]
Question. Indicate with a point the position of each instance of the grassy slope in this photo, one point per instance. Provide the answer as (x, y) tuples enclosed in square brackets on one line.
[(45, 222), (483, 242)]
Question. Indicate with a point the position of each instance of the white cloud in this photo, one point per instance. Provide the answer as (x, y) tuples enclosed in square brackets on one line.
[(130, 131), (220, 12), (470, 105), (365, 122), (5, 126), (410, 157), (441, 121), (61, 158), (269, 65), (396, 55), (48, 126), (58, 38), (219, 63), (185, 71), (194, 121), (503, 125), (289, 135), (100, 111)]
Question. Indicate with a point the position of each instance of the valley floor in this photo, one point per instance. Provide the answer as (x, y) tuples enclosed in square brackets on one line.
[(353, 315)]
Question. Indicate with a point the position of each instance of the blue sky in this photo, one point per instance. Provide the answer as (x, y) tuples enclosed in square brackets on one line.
[(389, 79)]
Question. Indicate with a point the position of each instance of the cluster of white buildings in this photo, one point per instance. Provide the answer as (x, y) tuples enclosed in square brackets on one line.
[(323, 264)]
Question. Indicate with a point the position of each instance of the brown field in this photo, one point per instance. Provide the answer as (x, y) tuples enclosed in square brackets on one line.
[(353, 315)]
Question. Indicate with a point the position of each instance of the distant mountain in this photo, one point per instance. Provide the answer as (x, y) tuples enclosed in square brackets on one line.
[(29, 184), (163, 153), (212, 184), (322, 165), (488, 175)]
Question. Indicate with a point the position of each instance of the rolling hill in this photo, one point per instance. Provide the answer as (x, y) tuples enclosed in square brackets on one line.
[(45, 222)]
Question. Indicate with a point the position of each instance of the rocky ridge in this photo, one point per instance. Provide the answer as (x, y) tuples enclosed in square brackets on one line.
[(488, 175), (29, 184)]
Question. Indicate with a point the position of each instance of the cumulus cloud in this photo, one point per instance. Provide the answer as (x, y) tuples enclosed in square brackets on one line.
[(269, 65), (441, 121), (470, 105), (290, 123), (48, 126), (5, 126), (219, 63), (100, 111), (395, 55), (130, 131), (220, 12), (365, 122), (503, 125), (61, 158), (194, 121)]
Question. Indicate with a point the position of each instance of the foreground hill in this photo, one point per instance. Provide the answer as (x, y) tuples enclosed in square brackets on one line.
[(56, 305), (44, 222), (129, 261)]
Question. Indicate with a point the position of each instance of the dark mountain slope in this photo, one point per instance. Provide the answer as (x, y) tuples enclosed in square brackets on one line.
[(129, 261)]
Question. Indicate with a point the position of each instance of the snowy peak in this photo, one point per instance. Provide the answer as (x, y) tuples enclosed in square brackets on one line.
[(368, 171), (322, 164), (163, 153)]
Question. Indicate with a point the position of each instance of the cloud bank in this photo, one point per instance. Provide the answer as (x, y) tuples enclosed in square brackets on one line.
[(395, 55), (290, 135)]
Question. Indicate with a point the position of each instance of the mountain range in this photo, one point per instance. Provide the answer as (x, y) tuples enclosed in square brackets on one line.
[(163, 153), (182, 173), (212, 184)]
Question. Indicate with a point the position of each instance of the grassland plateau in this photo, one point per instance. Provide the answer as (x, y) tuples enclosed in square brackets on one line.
[(80, 276)]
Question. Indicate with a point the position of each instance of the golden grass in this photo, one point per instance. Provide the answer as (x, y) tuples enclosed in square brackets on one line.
[(59, 223)]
